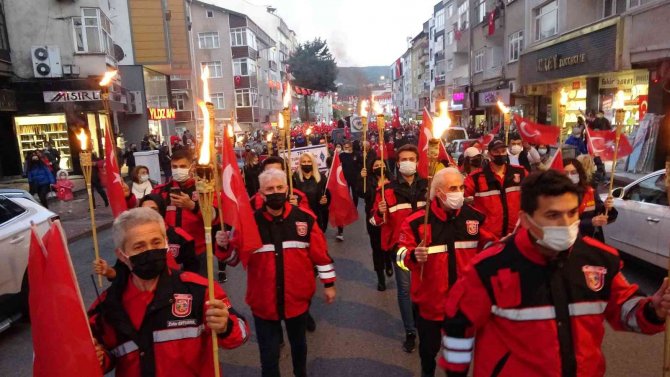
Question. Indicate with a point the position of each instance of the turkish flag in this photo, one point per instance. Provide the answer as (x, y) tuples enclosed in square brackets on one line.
[(113, 177), (341, 209), (602, 143), (425, 135), (556, 161), (535, 133), (237, 210), (492, 22), (62, 339)]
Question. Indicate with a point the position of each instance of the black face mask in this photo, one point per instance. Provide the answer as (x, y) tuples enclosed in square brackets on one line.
[(149, 264), (275, 201), (476, 162), (377, 172), (306, 168), (499, 160)]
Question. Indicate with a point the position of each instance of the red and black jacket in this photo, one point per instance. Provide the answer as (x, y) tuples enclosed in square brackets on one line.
[(173, 339), (453, 239), (498, 198), (188, 220), (535, 316), (402, 199), (280, 275)]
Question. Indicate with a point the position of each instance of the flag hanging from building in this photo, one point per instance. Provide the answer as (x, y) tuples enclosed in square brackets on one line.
[(535, 133), (62, 339), (603, 144), (395, 123), (492, 22), (425, 135), (117, 199), (341, 208)]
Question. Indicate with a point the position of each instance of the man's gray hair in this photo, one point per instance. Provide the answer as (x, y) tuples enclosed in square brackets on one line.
[(440, 177), (269, 175), (132, 218)]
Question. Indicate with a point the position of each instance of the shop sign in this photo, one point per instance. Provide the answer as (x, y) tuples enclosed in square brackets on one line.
[(458, 97), (555, 62), (491, 98), (159, 113), (625, 80), (72, 96)]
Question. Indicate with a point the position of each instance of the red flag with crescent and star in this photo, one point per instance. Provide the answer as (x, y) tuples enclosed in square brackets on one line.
[(237, 210), (342, 210), (117, 199), (603, 143), (535, 133), (425, 135)]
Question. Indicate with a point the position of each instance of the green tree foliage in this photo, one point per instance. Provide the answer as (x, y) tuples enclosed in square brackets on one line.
[(313, 66)]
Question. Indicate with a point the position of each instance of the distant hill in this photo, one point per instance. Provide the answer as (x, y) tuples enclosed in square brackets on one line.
[(356, 81)]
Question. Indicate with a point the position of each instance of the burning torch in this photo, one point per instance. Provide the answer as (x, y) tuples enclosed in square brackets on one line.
[(506, 119), (286, 114), (619, 116), (269, 140), (381, 126), (205, 184), (86, 162), (364, 121)]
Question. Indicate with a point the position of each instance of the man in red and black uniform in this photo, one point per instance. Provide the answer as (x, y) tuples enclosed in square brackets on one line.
[(496, 190), (299, 198), (404, 196), (435, 260), (157, 321), (280, 275), (536, 303)]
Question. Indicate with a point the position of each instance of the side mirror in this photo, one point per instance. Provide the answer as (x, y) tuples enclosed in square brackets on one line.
[(618, 192)]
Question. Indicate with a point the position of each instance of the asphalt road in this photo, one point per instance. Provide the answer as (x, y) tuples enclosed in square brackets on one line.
[(359, 335)]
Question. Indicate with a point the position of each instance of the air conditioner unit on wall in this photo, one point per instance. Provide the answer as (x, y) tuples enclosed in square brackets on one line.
[(46, 61), (513, 86)]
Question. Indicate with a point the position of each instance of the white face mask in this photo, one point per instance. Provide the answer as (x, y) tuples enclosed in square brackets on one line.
[(453, 200), (181, 174), (515, 149), (542, 151), (144, 178), (407, 168), (574, 178), (557, 238)]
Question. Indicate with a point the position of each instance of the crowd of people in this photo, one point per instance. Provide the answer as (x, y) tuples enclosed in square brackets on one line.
[(497, 254)]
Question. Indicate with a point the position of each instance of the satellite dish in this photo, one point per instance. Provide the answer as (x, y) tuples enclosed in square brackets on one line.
[(119, 54)]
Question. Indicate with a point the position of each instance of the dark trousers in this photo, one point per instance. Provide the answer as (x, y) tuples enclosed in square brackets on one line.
[(429, 342), (380, 258), (269, 335), (354, 192), (97, 186), (322, 218), (42, 192)]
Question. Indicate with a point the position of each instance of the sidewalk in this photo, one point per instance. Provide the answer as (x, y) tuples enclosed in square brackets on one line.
[(77, 224)]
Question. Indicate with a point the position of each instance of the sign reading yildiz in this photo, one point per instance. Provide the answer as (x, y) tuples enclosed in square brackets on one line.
[(157, 113), (72, 96)]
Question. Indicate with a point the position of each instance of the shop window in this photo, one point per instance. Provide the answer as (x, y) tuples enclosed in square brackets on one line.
[(515, 45), (244, 67), (242, 36), (92, 32), (479, 61), (33, 132), (179, 101), (609, 8), (245, 97), (546, 20), (215, 69), (218, 101), (208, 40)]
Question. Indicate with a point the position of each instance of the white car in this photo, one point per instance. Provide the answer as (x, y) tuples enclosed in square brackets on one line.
[(642, 228), (16, 214)]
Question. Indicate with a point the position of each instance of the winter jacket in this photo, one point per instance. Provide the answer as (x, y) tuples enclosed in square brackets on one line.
[(40, 175), (590, 207), (189, 220)]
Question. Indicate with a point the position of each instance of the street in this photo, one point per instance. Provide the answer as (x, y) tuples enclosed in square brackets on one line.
[(359, 335)]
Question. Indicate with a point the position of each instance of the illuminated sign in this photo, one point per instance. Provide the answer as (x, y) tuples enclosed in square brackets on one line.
[(458, 96), (555, 62), (157, 113), (71, 96)]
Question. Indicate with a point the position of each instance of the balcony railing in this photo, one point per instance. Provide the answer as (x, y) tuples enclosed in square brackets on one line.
[(493, 73)]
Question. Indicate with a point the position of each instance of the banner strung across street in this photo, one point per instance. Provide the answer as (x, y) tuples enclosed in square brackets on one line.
[(320, 152)]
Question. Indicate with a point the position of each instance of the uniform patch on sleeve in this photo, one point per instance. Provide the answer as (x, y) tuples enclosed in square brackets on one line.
[(595, 277), (472, 227), (301, 228), (182, 305)]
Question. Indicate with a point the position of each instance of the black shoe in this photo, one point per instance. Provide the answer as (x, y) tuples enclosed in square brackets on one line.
[(410, 342), (389, 271), (223, 277), (311, 325)]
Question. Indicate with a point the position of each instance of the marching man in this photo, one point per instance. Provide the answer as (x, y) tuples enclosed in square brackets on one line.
[(535, 304), (436, 260)]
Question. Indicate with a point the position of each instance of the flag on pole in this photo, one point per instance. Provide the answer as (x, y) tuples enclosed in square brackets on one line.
[(114, 181), (237, 210), (556, 161), (425, 135), (492, 22), (341, 208), (62, 339), (535, 133), (603, 143)]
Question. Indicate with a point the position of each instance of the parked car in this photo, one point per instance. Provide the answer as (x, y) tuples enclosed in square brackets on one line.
[(16, 215), (457, 147), (455, 133), (642, 228)]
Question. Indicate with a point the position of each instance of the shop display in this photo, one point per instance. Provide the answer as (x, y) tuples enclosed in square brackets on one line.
[(33, 132)]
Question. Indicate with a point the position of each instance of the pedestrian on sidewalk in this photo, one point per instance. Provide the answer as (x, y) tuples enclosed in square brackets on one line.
[(381, 259), (64, 191), (40, 178), (129, 156), (97, 178), (141, 184)]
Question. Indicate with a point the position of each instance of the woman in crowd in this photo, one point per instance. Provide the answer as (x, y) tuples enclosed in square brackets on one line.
[(592, 209), (141, 185), (252, 169), (40, 178), (308, 180)]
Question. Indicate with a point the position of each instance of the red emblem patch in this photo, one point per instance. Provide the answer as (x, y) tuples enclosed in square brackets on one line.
[(517, 178), (182, 305), (195, 196), (472, 226), (173, 249), (595, 277), (301, 228)]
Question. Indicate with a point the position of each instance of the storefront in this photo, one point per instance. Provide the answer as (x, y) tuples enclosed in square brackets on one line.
[(458, 103), (488, 114)]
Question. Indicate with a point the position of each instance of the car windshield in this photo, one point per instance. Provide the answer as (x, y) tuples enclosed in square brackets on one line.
[(455, 134)]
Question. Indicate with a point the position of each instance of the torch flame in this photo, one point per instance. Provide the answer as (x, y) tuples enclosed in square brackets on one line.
[(309, 131), (229, 131), (564, 97), (107, 78), (364, 108), (206, 132), (83, 139), (502, 107), (280, 121), (442, 122), (619, 100), (377, 107), (287, 95), (205, 84), (269, 137)]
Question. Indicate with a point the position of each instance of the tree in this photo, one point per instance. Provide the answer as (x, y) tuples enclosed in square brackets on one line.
[(313, 67)]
